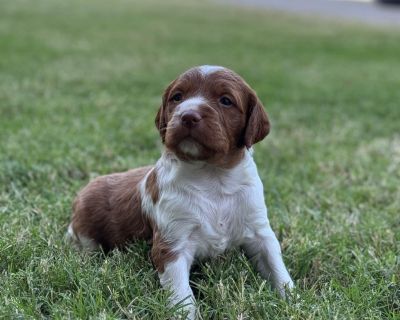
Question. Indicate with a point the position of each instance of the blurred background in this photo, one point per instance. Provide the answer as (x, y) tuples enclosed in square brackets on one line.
[(376, 12)]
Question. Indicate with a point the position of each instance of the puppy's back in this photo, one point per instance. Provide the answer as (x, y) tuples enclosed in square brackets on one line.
[(108, 212)]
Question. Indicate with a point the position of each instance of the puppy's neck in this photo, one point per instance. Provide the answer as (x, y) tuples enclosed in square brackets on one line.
[(172, 166), (217, 162)]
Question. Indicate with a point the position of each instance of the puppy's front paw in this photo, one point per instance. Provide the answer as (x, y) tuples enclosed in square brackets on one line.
[(285, 289), (186, 312)]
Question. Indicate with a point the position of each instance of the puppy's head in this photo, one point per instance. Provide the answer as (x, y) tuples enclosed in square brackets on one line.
[(210, 114)]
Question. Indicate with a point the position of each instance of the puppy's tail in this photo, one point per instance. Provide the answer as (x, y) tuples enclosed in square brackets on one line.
[(80, 241)]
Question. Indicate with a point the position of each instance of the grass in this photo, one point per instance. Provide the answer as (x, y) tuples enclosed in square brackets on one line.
[(80, 84)]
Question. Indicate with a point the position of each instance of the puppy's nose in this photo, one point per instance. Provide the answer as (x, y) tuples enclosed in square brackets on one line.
[(190, 119)]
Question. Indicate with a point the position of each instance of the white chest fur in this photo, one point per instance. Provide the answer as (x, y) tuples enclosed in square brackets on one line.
[(206, 208)]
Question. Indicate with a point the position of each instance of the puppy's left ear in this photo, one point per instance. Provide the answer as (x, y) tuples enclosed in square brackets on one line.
[(258, 125)]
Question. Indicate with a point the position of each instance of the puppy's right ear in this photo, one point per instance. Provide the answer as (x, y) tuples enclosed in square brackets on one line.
[(162, 114), (161, 124)]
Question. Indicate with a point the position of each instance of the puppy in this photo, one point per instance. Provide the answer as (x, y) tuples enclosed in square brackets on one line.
[(203, 195)]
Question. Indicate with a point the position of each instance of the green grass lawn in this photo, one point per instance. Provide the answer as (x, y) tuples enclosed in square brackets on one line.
[(80, 83)]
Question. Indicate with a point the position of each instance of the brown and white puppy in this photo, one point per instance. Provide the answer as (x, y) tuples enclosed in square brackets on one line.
[(202, 196)]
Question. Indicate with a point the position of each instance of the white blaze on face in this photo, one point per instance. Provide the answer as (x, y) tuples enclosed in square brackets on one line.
[(189, 146), (191, 104), (206, 69)]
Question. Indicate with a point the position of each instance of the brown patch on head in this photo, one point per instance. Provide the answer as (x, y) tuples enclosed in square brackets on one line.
[(152, 186), (161, 251), (109, 211), (218, 132)]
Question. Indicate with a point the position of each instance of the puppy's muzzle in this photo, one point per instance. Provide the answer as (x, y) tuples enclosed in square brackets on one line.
[(190, 119)]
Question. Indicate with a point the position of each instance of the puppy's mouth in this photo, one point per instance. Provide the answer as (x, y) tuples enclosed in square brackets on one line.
[(188, 143), (197, 143), (190, 147)]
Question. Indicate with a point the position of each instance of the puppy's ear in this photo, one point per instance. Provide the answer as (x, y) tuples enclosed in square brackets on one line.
[(258, 125), (161, 124), (161, 120)]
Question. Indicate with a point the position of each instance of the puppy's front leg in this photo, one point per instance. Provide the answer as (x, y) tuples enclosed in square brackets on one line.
[(264, 251), (174, 276)]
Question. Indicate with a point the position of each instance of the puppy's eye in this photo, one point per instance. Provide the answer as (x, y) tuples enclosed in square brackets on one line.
[(177, 97), (225, 101)]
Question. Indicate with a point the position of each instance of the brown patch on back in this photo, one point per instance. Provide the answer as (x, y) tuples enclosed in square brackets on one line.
[(108, 210), (152, 186), (161, 252)]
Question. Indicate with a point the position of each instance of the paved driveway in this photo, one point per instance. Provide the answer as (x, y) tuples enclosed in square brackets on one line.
[(360, 11)]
